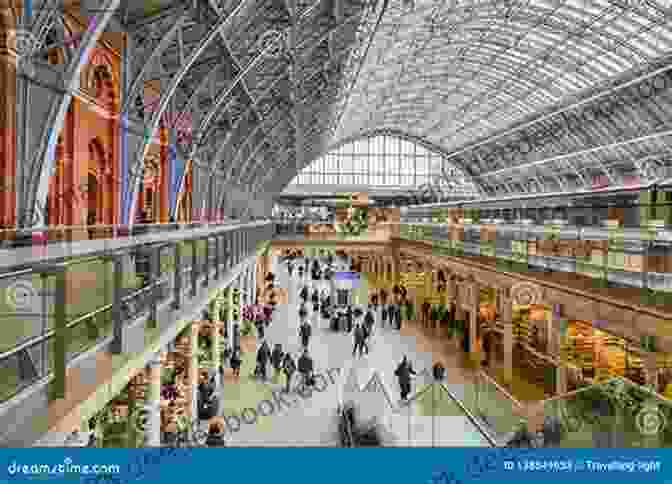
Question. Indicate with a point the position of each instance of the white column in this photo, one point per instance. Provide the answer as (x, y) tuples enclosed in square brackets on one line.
[(254, 280), (153, 404)]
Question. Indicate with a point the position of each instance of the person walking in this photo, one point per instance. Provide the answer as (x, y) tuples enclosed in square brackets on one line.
[(263, 357), (403, 374), (306, 368), (315, 299), (235, 362), (359, 341), (276, 361), (305, 332), (289, 368)]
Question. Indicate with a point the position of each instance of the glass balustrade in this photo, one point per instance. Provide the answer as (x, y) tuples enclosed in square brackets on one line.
[(29, 311)]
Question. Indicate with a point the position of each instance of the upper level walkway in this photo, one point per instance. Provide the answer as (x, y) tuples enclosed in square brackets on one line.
[(80, 318)]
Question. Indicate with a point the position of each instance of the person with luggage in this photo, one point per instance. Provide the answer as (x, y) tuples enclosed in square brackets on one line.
[(289, 368), (276, 361)]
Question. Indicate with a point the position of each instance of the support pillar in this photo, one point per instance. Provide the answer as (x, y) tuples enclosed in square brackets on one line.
[(206, 263), (117, 317), (218, 258), (154, 277), (58, 385), (177, 289), (194, 268), (216, 354), (153, 404), (506, 313), (474, 348), (556, 341), (651, 370)]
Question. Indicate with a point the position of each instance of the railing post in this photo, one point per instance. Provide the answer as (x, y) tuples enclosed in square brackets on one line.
[(117, 290), (58, 388), (234, 248), (217, 257), (154, 278), (194, 268), (206, 263), (177, 289)]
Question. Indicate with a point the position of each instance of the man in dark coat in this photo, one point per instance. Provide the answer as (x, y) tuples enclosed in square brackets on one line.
[(359, 341), (306, 368), (289, 367), (235, 362), (305, 332), (276, 360), (304, 294), (315, 299), (290, 269), (369, 320), (403, 373), (350, 318), (263, 356)]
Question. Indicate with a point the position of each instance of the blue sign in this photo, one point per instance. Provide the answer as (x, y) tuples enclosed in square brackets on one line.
[(347, 276)]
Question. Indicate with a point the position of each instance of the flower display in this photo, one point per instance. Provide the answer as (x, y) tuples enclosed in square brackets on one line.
[(257, 312)]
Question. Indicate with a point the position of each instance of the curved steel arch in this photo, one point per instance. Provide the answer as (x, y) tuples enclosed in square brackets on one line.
[(304, 79), (136, 170), (41, 163)]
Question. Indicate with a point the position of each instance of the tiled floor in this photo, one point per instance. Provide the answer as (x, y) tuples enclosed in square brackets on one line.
[(313, 421)]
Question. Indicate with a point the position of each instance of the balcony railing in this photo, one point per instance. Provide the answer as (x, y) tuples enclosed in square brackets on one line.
[(11, 237), (619, 257), (52, 313)]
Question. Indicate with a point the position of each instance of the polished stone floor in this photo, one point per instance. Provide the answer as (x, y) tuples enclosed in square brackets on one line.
[(312, 421)]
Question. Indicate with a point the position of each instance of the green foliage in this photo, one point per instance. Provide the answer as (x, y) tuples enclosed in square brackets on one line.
[(357, 225), (247, 328)]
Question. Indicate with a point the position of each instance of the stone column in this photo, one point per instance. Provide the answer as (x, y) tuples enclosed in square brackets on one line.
[(474, 349), (192, 375), (650, 370), (254, 281), (556, 340), (216, 354), (153, 403), (506, 314)]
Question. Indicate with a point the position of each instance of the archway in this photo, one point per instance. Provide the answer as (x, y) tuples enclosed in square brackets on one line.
[(92, 201)]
